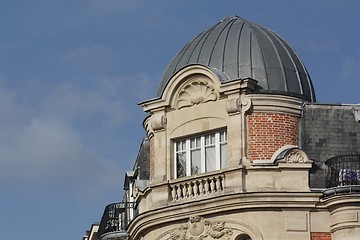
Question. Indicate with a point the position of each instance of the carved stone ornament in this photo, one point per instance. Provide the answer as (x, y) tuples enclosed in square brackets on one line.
[(242, 105), (232, 106), (158, 122), (194, 93), (199, 229), (296, 156)]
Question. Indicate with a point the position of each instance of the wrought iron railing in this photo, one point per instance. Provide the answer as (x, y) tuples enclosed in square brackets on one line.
[(343, 171), (116, 217)]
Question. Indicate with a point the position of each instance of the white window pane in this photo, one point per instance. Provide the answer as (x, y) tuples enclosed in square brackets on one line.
[(178, 146), (180, 165), (195, 161), (223, 155), (210, 159), (207, 139), (210, 139), (193, 142), (200, 154), (223, 137), (198, 142), (183, 145)]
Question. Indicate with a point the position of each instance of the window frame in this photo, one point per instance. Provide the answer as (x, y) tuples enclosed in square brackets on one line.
[(187, 149)]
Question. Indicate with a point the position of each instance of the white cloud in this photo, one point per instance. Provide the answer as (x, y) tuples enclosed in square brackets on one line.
[(101, 100), (44, 150), (67, 138)]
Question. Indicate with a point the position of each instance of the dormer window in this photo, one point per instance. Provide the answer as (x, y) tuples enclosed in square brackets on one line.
[(200, 154)]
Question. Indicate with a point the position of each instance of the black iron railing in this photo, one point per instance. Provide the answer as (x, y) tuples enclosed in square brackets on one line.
[(116, 217), (343, 171)]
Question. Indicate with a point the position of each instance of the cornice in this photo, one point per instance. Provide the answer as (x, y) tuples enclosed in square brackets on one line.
[(276, 103)]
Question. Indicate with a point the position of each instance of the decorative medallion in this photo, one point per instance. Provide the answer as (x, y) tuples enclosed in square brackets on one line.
[(195, 93), (196, 225), (199, 229)]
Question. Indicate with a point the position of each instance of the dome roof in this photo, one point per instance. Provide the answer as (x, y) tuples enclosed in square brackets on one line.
[(241, 49)]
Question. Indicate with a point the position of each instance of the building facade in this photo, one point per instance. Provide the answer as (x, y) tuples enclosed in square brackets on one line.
[(237, 148)]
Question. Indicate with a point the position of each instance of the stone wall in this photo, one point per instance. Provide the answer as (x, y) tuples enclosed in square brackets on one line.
[(328, 131)]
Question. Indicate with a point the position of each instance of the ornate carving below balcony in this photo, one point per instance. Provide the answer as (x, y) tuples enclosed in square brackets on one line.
[(194, 93), (198, 228)]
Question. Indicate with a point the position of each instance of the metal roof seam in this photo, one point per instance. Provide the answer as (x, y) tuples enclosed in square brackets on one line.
[(263, 58), (217, 42), (238, 50)]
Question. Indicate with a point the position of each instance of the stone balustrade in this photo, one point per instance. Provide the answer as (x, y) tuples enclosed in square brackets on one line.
[(197, 186)]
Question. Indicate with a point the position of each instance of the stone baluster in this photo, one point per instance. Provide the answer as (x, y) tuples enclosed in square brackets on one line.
[(178, 192), (196, 188), (201, 187), (212, 184), (173, 192), (184, 190), (218, 184), (190, 189), (207, 185)]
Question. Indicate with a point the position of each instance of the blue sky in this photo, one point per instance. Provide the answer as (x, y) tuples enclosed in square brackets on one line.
[(73, 71)]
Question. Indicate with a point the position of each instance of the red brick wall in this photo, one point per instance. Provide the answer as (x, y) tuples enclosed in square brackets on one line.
[(152, 158), (267, 132), (320, 236)]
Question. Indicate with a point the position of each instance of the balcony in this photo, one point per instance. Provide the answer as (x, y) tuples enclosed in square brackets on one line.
[(115, 221), (343, 175), (197, 186)]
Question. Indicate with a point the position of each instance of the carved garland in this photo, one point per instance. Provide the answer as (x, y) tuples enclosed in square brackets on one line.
[(194, 93), (199, 229)]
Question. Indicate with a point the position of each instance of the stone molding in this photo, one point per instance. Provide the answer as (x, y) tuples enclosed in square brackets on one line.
[(276, 103), (344, 212)]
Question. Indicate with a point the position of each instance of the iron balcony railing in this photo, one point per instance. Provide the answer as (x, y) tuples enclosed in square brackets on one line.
[(343, 175), (116, 217), (343, 171)]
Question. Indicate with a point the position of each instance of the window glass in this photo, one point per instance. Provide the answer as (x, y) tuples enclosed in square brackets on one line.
[(201, 154), (181, 158), (223, 154)]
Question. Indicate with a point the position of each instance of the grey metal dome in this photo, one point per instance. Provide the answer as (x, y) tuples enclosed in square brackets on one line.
[(242, 49)]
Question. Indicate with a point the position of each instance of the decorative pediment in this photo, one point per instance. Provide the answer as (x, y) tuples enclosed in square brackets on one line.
[(286, 154), (194, 93)]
